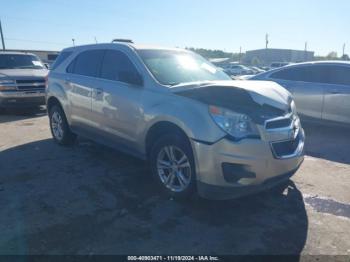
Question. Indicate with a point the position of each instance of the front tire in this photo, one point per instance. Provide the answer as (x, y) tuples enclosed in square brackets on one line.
[(172, 165), (59, 127)]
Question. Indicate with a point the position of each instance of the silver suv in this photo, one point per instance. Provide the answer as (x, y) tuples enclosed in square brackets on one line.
[(199, 130), (22, 80)]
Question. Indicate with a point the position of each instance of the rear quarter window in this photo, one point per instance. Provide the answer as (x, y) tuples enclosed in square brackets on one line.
[(61, 58)]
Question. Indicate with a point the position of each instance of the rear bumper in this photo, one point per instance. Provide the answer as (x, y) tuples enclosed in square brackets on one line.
[(18, 99)]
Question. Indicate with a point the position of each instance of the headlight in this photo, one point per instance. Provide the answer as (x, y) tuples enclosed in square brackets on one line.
[(6, 84), (237, 125)]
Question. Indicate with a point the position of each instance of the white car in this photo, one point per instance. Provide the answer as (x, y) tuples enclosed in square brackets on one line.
[(237, 69)]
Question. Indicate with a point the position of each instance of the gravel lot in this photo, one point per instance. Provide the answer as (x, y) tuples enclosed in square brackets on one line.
[(89, 199)]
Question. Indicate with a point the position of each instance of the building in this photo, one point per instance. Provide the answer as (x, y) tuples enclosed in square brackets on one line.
[(45, 55), (267, 56)]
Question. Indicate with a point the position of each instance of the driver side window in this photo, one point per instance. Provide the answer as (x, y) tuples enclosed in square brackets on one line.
[(116, 66)]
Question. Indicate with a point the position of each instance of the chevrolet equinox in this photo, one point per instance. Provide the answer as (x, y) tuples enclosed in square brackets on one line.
[(200, 131)]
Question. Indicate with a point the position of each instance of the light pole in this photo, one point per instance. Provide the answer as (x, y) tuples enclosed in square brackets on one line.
[(73, 40)]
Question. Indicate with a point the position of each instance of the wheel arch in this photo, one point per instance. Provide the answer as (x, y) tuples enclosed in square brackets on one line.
[(160, 128), (52, 101)]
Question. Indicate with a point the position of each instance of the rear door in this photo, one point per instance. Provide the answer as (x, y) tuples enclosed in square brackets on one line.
[(79, 83), (337, 94)]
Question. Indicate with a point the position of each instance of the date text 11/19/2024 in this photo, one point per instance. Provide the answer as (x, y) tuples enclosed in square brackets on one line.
[(173, 258)]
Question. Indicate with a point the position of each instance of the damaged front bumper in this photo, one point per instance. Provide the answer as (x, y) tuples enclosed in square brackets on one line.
[(229, 169)]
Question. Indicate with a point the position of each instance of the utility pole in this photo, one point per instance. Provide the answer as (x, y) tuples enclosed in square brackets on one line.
[(305, 53), (73, 40), (240, 54), (266, 46), (2, 37), (95, 40), (344, 49)]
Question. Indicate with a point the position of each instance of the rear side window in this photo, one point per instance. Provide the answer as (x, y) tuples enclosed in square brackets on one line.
[(327, 74), (116, 65), (87, 63), (313, 73), (288, 74), (339, 75), (59, 60)]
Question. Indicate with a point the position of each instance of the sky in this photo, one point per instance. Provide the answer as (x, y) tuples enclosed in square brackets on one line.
[(214, 24)]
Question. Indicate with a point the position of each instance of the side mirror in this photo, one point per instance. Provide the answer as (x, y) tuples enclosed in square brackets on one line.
[(129, 77)]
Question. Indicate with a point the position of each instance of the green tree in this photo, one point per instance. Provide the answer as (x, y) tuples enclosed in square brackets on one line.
[(209, 53), (332, 55)]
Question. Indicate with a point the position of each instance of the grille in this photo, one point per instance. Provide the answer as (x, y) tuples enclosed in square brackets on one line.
[(286, 148), (30, 81), (30, 84), (285, 122)]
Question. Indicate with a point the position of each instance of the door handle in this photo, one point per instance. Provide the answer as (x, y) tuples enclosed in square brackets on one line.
[(334, 92)]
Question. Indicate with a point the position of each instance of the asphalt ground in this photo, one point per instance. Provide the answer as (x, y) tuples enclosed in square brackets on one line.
[(90, 199)]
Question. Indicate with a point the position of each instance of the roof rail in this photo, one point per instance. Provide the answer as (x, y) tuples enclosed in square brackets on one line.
[(122, 41)]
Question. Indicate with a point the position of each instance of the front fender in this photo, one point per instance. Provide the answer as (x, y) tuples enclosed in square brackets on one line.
[(191, 116)]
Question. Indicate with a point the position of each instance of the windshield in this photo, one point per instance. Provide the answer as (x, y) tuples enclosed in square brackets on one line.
[(8, 61), (171, 67)]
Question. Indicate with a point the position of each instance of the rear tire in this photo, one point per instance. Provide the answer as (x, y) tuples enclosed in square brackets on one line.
[(172, 165), (59, 127)]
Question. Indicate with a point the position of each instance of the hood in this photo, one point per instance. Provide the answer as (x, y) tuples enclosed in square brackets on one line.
[(23, 73), (260, 100)]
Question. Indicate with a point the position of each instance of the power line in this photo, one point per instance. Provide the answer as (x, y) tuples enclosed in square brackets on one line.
[(34, 41), (49, 22)]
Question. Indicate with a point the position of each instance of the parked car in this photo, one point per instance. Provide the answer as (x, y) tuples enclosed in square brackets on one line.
[(256, 70), (237, 69), (278, 64), (22, 80), (321, 89), (199, 130)]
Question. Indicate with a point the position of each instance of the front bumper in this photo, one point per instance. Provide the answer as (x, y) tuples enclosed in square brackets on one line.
[(17, 99), (228, 169)]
